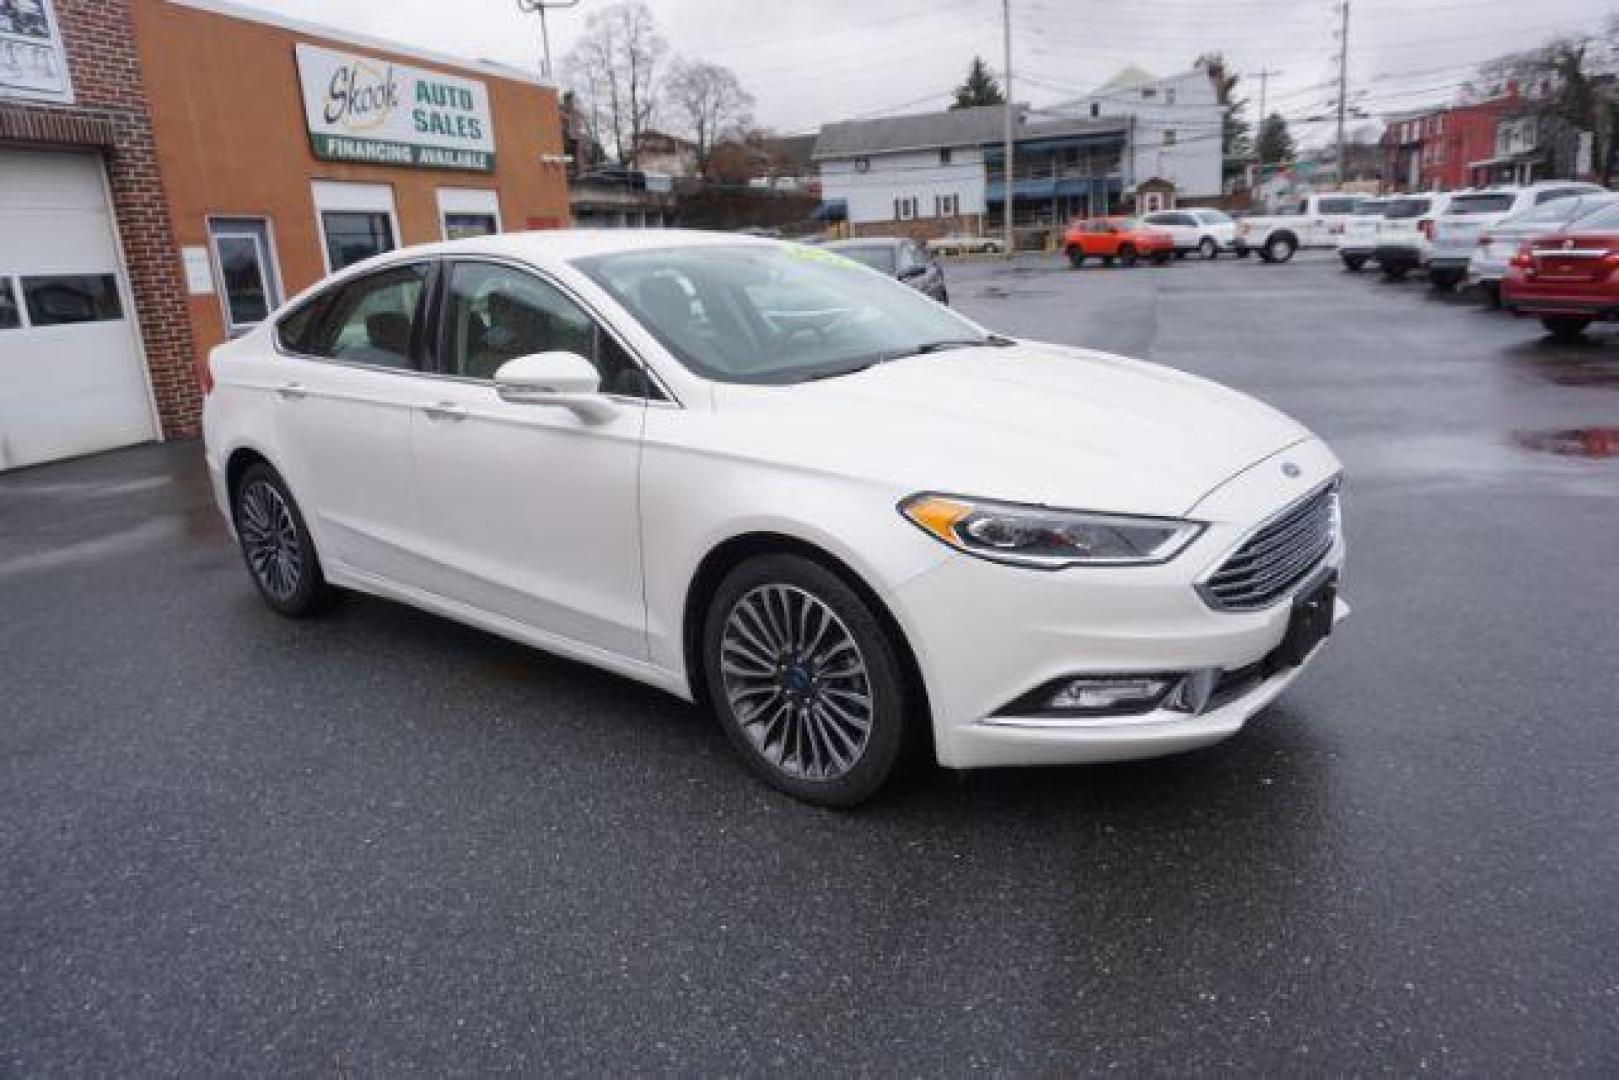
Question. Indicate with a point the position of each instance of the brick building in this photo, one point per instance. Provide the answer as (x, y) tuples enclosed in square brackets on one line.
[(1432, 150), (171, 170)]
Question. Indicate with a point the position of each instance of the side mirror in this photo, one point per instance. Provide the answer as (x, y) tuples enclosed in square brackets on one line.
[(563, 379)]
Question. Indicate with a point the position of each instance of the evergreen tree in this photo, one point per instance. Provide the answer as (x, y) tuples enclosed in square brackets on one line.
[(981, 88), (1275, 143)]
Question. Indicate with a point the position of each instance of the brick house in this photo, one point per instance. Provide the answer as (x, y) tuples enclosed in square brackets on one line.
[(1433, 149), (172, 170)]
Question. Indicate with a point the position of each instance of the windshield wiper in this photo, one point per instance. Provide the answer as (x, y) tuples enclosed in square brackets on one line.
[(837, 373), (988, 341)]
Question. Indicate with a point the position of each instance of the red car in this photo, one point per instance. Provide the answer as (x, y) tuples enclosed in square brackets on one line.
[(1569, 279), (1123, 238)]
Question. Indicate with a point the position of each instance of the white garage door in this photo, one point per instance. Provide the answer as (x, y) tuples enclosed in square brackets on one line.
[(71, 377)]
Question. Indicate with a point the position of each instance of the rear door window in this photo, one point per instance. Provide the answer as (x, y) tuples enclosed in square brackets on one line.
[(373, 320), (1490, 202), (1339, 206)]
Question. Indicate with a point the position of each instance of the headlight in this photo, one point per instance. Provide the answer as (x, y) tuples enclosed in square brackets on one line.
[(1045, 538)]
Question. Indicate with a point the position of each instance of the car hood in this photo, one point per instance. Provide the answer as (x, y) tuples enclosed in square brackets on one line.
[(1028, 423)]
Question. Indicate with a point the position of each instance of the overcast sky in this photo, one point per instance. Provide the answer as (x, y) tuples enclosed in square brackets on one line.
[(812, 61)]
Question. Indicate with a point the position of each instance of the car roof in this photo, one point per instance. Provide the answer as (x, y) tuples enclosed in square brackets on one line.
[(865, 241), (546, 245)]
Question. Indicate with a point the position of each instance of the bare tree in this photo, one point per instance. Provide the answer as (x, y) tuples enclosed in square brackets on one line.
[(615, 72), (712, 103)]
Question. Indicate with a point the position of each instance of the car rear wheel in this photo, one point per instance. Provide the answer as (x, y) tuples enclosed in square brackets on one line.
[(1491, 291), (276, 545), (1127, 255), (805, 680), (1076, 258), (1353, 263), (1396, 271), (1565, 327), (1208, 248), (1279, 249)]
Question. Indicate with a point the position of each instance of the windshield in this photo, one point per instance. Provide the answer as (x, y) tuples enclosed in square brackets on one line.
[(1406, 208), (775, 313), (1494, 202), (877, 256)]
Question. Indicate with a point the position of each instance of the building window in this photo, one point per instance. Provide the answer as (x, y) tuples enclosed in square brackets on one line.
[(246, 269), (10, 314), (1169, 136), (465, 212), (356, 221), (905, 209), (1148, 93), (1096, 110), (59, 299), (944, 156), (946, 205), (1169, 96), (352, 236)]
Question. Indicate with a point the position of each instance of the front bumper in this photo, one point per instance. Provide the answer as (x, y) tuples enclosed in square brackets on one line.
[(986, 634)]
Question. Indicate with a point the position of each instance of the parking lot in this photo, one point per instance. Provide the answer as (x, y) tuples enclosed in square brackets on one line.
[(381, 843)]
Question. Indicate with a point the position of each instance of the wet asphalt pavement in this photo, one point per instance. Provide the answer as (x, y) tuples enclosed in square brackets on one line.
[(380, 843)]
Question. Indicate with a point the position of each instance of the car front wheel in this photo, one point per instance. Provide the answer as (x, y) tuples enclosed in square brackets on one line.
[(276, 544), (1076, 258), (1208, 248), (805, 680)]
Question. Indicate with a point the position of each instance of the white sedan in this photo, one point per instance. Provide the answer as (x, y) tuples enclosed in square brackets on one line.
[(962, 244), (765, 478)]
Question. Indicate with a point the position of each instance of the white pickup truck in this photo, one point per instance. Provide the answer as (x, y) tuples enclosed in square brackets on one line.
[(1313, 221)]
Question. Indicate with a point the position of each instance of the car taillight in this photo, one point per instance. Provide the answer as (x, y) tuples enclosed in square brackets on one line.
[(1522, 260), (1611, 259), (1426, 228), (205, 374)]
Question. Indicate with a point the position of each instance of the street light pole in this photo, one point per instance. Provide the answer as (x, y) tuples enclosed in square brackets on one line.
[(528, 7), (1006, 134)]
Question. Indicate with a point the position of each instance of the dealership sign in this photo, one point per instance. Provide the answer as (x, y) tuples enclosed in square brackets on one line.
[(360, 108)]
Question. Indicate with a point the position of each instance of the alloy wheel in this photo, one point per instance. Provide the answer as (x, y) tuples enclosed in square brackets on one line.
[(796, 682), (270, 539)]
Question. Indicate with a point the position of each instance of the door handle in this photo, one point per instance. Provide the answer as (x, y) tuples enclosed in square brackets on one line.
[(445, 410), (291, 391)]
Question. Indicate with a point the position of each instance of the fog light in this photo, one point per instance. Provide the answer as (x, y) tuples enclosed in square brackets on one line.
[(1108, 694), (1193, 693)]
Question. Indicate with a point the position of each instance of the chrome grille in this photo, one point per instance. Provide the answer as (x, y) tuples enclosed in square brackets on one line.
[(1279, 555)]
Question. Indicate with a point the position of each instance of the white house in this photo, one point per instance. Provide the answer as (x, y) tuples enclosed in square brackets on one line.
[(904, 168), (1175, 126), (933, 173)]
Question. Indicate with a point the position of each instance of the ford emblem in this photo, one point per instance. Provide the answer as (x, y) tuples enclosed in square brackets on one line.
[(1291, 470)]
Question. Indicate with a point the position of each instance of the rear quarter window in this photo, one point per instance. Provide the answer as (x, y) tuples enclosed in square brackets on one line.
[(1339, 206), (293, 332)]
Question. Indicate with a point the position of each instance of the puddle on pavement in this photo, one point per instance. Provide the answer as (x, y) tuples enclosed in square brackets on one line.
[(1591, 442)]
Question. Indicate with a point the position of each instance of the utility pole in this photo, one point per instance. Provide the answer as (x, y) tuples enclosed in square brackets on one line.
[(528, 7), (1343, 91), (1008, 111), (1264, 75)]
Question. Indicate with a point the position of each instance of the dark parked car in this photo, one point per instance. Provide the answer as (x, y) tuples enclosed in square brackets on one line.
[(897, 257)]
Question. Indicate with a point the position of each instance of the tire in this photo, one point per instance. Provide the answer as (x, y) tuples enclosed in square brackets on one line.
[(1127, 255), (1076, 258), (1565, 327), (806, 739), (1353, 263), (1107, 260), (1491, 291), (276, 545), (1279, 249), (1443, 281), (1208, 248)]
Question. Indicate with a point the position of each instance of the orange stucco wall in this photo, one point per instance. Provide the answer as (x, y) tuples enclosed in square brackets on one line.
[(228, 121)]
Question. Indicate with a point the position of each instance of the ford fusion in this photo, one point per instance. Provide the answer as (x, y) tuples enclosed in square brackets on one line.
[(772, 481)]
